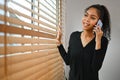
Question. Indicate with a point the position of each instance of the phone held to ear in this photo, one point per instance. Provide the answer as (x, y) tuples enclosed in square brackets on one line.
[(99, 23)]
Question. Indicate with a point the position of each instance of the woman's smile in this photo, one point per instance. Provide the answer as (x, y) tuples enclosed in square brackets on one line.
[(85, 24)]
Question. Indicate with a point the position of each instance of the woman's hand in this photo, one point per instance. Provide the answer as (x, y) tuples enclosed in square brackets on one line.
[(59, 36), (99, 34)]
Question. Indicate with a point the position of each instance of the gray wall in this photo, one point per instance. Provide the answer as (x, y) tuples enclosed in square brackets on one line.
[(74, 12)]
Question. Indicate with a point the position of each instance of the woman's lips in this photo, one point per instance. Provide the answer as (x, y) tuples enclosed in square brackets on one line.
[(86, 24)]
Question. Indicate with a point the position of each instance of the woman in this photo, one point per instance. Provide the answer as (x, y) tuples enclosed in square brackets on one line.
[(87, 48)]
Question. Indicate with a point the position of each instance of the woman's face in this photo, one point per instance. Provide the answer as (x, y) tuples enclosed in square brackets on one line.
[(90, 19)]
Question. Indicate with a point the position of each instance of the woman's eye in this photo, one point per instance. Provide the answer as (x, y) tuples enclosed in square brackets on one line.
[(93, 18), (85, 14)]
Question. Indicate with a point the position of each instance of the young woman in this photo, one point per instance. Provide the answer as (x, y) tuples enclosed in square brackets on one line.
[(87, 48)]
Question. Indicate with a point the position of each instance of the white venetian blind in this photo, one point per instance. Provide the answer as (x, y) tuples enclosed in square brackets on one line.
[(28, 49)]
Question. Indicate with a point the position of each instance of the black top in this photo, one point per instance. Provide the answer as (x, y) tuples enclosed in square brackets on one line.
[(84, 62)]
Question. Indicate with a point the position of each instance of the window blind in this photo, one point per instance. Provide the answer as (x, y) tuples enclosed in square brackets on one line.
[(28, 49)]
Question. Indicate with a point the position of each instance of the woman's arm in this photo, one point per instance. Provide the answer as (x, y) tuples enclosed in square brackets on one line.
[(100, 49), (65, 55), (99, 54)]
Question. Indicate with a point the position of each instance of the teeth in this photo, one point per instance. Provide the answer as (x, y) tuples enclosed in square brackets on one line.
[(86, 24)]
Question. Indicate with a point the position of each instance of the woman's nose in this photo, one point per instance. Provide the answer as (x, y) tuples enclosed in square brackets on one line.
[(87, 19)]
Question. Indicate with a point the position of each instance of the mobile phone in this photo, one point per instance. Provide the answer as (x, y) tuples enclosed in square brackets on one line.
[(99, 23)]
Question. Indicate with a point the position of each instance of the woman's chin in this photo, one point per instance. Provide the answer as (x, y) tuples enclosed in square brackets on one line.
[(85, 27)]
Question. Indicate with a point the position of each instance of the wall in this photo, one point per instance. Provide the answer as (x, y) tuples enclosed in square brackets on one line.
[(74, 12)]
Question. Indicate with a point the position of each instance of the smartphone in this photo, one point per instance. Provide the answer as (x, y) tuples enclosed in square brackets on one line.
[(99, 23)]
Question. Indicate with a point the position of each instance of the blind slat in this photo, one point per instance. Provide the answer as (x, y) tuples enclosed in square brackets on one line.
[(2, 67), (2, 50), (43, 11), (2, 72), (53, 72), (48, 14), (23, 40), (2, 61), (19, 58), (15, 30), (18, 67), (22, 23), (26, 16), (41, 73), (34, 11), (22, 74), (28, 45), (33, 55), (17, 49), (47, 8), (56, 74), (53, 2), (2, 39), (49, 4)]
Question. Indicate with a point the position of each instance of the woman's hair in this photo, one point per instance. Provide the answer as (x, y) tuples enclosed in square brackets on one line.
[(105, 17)]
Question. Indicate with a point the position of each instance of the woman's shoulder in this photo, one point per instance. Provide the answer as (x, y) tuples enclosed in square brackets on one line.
[(76, 33), (104, 40)]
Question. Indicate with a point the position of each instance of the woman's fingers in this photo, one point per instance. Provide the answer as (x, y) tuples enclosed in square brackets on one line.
[(59, 35), (97, 29), (98, 32), (60, 28)]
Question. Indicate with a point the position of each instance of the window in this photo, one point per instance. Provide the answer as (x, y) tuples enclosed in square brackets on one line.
[(28, 49)]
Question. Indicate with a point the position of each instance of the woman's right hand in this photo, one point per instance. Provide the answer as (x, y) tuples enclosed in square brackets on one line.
[(59, 36)]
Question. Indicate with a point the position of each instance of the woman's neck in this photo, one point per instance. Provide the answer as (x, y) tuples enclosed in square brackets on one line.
[(88, 34)]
